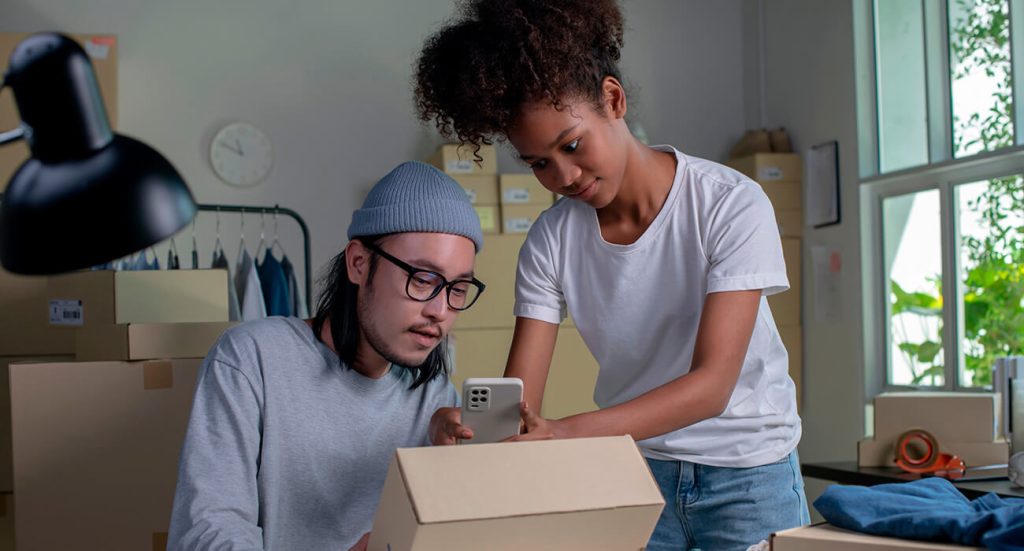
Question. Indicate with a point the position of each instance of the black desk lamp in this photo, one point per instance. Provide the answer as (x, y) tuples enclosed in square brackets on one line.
[(87, 195)]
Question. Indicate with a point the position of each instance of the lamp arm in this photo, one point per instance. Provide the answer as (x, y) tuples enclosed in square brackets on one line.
[(12, 135)]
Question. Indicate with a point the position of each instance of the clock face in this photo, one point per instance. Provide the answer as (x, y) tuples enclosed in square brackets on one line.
[(241, 155)]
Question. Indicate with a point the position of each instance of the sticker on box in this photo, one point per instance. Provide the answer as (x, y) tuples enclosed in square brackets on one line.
[(471, 193), (458, 166), (518, 225), (767, 173), (66, 312), (516, 195)]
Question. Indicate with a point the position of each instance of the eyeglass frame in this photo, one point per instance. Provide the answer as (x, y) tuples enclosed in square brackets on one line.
[(411, 270)]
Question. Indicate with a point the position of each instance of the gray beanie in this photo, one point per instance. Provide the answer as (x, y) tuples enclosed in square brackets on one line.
[(417, 197)]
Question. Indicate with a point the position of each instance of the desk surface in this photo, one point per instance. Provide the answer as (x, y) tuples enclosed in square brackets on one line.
[(847, 472)]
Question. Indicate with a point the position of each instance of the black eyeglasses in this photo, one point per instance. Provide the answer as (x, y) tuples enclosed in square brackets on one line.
[(424, 285)]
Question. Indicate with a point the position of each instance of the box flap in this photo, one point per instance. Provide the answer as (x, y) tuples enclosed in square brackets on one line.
[(573, 475)]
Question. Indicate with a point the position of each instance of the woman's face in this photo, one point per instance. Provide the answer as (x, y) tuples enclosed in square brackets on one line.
[(576, 151)]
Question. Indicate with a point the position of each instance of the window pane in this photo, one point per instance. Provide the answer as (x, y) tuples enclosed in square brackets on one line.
[(991, 227), (902, 109), (911, 226), (979, 59)]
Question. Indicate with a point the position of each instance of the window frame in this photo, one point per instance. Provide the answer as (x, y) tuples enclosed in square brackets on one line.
[(943, 172)]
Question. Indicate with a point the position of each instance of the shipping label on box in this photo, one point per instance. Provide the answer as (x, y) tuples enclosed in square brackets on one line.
[(576, 494), (25, 328), (489, 218), (523, 189)]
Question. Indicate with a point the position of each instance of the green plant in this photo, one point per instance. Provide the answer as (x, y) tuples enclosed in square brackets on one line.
[(992, 262)]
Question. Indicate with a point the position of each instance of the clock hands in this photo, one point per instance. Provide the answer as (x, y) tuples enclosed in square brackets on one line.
[(236, 149)]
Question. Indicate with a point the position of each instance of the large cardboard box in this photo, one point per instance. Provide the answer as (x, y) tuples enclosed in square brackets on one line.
[(481, 189), (824, 536), (146, 296), (571, 379), (461, 159), (950, 416), (496, 267), (579, 494), (490, 218), (519, 218), (102, 52), (769, 167), (786, 306), (96, 449), (523, 189), (25, 328), (872, 452), (784, 195), (147, 341), (6, 478), (792, 339), (790, 222)]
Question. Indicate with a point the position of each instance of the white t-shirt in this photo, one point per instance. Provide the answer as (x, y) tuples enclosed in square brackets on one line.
[(638, 306)]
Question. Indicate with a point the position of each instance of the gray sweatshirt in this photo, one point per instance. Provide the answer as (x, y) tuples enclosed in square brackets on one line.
[(288, 449)]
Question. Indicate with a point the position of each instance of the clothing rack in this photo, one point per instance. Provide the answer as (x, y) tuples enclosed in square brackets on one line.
[(276, 209)]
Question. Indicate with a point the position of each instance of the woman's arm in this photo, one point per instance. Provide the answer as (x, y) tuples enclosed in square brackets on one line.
[(726, 324), (533, 345)]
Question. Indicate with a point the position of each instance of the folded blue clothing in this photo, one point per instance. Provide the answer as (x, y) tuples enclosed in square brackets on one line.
[(930, 509)]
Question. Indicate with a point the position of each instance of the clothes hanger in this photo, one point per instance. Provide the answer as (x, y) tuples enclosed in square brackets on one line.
[(241, 231), (277, 241), (263, 226), (195, 245)]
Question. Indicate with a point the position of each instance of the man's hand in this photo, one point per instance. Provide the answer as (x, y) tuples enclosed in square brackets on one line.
[(362, 543), (446, 427), (536, 427)]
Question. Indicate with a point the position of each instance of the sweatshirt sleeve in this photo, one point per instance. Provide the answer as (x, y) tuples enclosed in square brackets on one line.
[(216, 504)]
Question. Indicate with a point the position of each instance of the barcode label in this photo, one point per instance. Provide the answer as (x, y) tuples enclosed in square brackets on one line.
[(516, 195), (518, 225), (769, 173), (471, 193), (458, 166), (66, 312)]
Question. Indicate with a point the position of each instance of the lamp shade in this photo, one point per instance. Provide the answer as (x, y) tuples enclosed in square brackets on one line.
[(87, 195)]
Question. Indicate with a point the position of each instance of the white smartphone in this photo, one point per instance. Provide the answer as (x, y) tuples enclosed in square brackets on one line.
[(490, 407)]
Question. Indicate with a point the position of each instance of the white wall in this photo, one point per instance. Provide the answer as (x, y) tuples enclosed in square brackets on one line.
[(810, 89), (329, 82)]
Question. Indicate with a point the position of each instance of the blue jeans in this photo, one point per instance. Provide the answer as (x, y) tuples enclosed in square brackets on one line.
[(723, 508)]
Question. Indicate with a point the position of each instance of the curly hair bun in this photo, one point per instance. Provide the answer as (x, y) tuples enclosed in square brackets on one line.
[(476, 72)]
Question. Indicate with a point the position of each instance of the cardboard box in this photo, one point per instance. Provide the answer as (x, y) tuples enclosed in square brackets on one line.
[(146, 296), (785, 195), (147, 341), (787, 305), (102, 52), (456, 159), (950, 416), (882, 453), (25, 328), (96, 449), (482, 190), (496, 267), (6, 477), (490, 218), (586, 493), (825, 536), (523, 189), (790, 222), (792, 339), (769, 167), (519, 218), (571, 379)]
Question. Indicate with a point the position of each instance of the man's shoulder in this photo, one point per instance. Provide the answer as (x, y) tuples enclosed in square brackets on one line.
[(251, 338)]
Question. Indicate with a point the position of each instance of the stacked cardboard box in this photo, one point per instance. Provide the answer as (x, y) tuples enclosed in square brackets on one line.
[(508, 204), (965, 424), (825, 536), (779, 174)]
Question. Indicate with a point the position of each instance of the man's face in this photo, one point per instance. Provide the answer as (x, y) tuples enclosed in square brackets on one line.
[(398, 328)]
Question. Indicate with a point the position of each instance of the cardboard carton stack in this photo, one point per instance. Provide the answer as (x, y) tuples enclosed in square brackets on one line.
[(965, 424), (508, 204), (780, 176)]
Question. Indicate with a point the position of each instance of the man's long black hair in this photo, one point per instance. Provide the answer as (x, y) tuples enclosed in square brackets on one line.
[(338, 303)]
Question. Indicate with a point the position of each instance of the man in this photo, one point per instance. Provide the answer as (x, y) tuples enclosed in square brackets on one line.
[(294, 422)]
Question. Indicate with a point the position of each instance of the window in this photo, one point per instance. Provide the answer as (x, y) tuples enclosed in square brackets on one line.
[(942, 191)]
